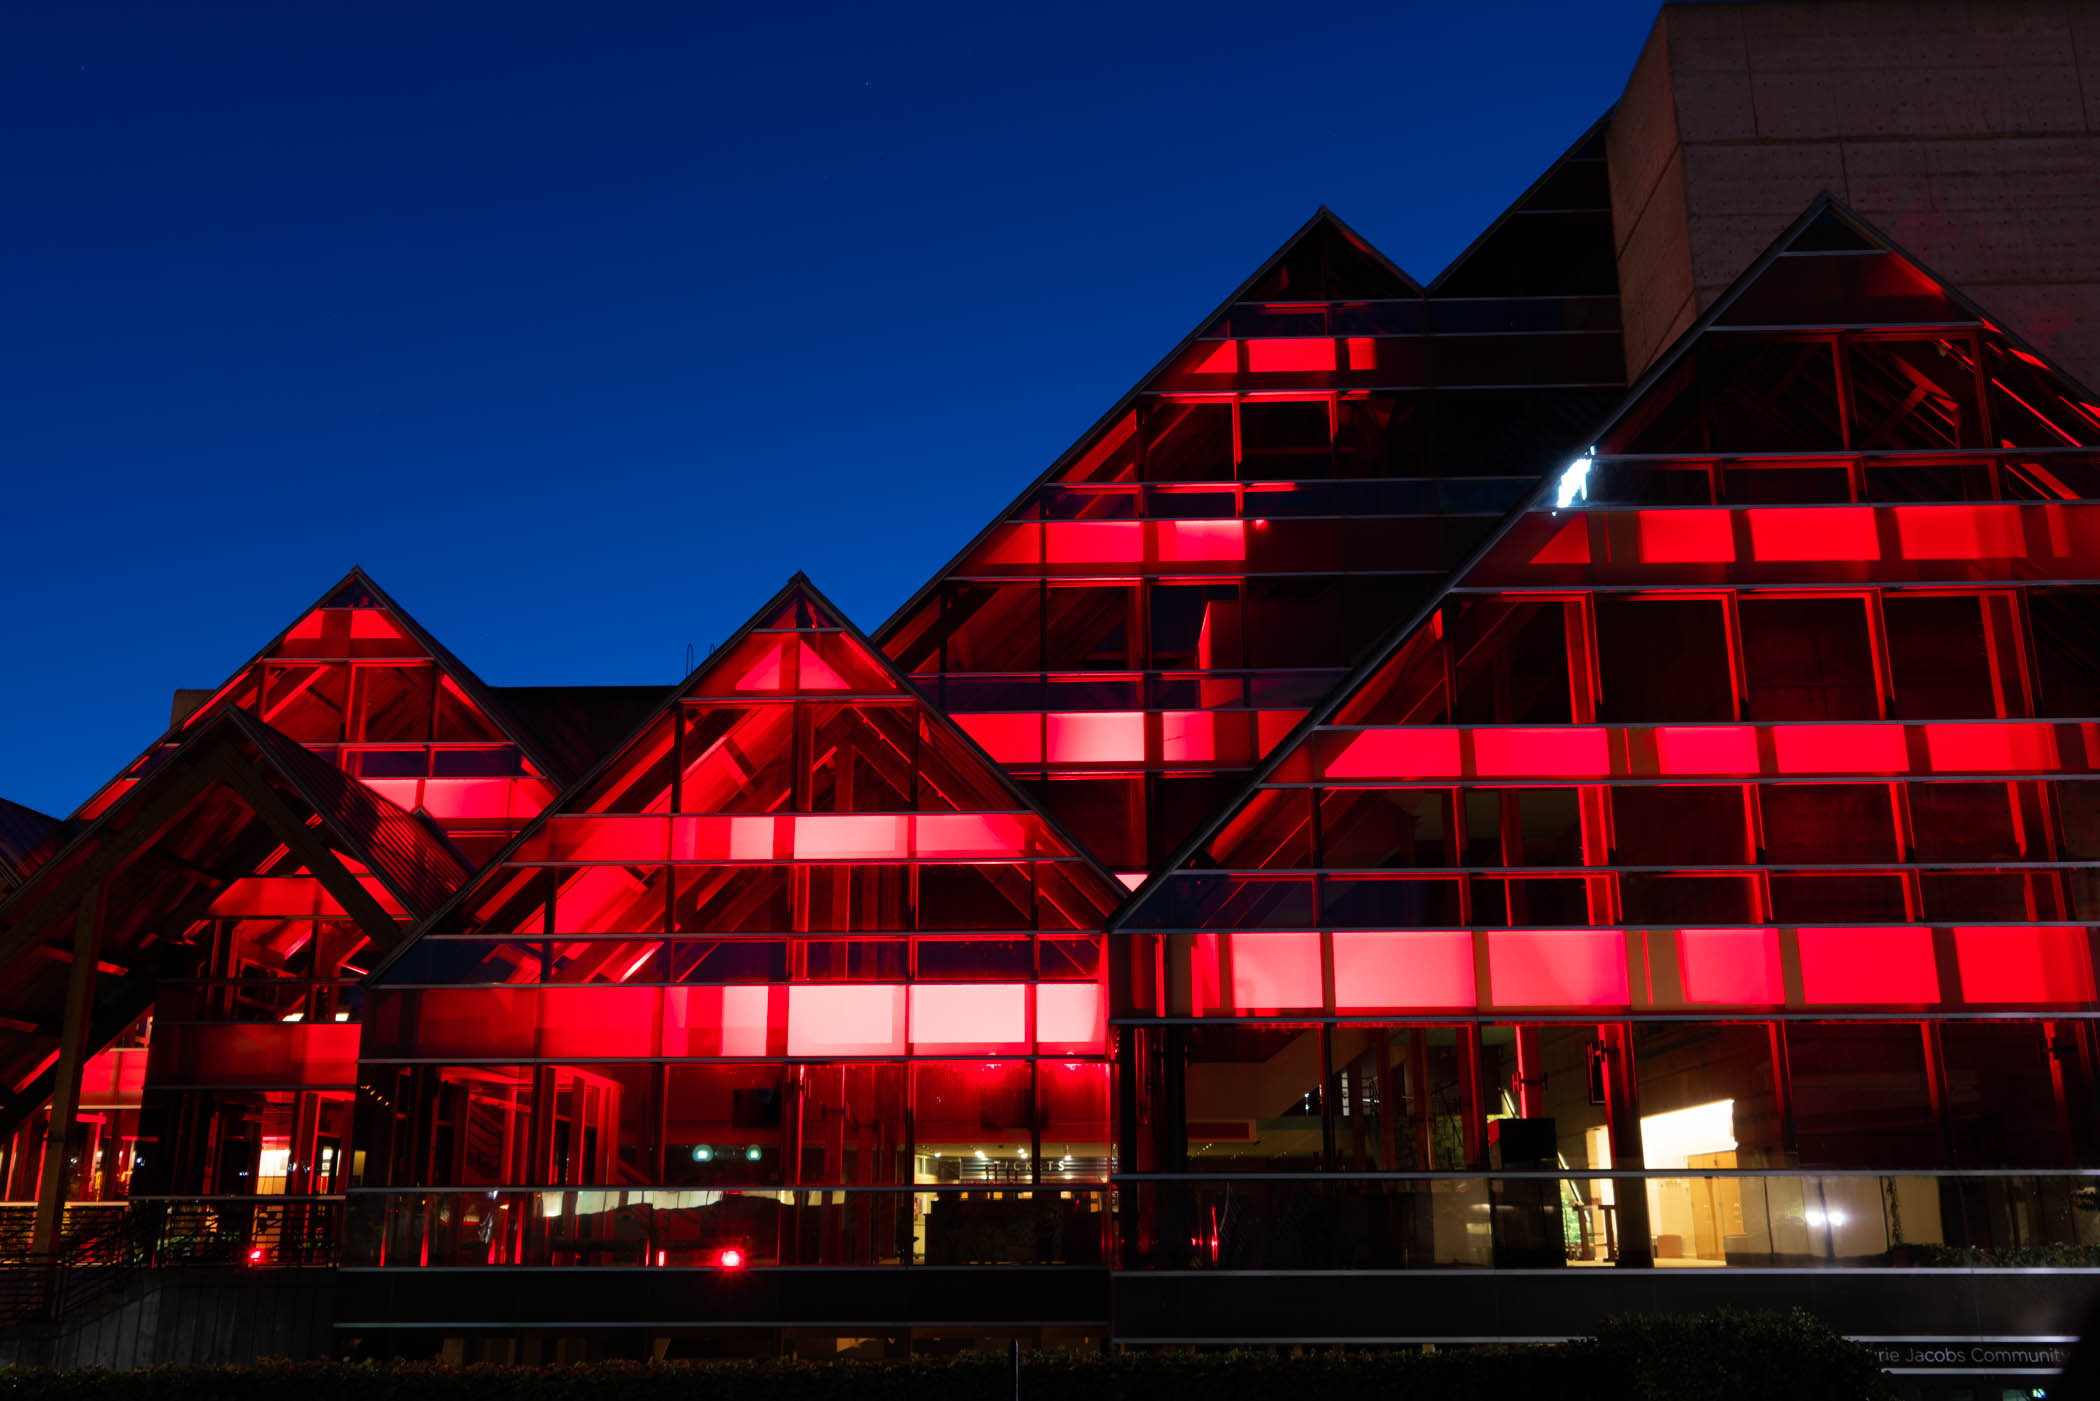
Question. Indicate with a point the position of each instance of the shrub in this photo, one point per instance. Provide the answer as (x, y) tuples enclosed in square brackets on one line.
[(1714, 1357)]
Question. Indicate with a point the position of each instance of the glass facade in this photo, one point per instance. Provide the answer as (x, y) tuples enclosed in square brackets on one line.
[(797, 974), (1706, 881), (1352, 817), (1169, 601)]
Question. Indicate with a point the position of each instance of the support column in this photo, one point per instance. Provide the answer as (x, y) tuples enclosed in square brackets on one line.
[(1623, 1114), (65, 1086)]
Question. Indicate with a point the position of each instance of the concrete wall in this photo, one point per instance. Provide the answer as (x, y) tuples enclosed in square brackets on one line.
[(1968, 130)]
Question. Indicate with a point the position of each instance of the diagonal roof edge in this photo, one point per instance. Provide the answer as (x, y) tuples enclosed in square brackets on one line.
[(329, 791), (23, 829), (1495, 225), (470, 681), (476, 689), (271, 745), (1321, 216), (798, 583), (1398, 637), (1112, 887)]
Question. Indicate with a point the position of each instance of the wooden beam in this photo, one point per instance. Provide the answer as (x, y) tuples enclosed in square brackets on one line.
[(314, 853), (65, 1094), (146, 826)]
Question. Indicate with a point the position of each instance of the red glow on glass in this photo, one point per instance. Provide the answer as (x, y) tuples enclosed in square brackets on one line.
[(1868, 967), (949, 1017), (1567, 751), (1960, 532), (1223, 360), (1839, 748), (1730, 966), (1557, 967), (1814, 533), (1398, 754), (725, 1021), (2045, 965), (1285, 356), (815, 674), (850, 836), (1376, 970), (1568, 545), (1094, 542), (1991, 748), (1275, 972), (1706, 749), (1097, 737), (845, 1019), (1071, 1018), (972, 836), (1687, 537), (765, 673), (1007, 737), (1201, 542)]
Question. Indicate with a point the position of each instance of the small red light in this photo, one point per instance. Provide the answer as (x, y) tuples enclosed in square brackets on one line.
[(255, 1256), (732, 1259)]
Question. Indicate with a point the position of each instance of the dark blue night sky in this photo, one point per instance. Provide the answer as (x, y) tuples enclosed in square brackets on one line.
[(581, 327)]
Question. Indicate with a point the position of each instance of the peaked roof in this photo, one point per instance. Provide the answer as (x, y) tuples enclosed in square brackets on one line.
[(356, 589), (1826, 226), (797, 598), (1324, 234)]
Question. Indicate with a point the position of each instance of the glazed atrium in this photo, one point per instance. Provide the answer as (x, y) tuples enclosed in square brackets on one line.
[(1397, 836)]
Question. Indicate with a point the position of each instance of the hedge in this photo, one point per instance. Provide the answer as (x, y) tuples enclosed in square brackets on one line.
[(1714, 1357)]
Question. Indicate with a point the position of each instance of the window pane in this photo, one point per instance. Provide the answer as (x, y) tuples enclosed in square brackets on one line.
[(1254, 1099), (1860, 1096)]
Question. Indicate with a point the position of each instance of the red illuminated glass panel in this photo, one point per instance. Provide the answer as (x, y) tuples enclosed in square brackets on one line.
[(1730, 967), (1826, 533), (1557, 967), (1688, 750), (1868, 967), (1273, 971), (1839, 749), (1401, 970), (1566, 752), (1429, 753), (2041, 966), (951, 1017)]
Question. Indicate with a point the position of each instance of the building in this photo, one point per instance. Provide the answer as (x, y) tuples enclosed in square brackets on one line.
[(1399, 835)]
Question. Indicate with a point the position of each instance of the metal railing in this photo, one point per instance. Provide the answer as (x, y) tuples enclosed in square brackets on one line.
[(894, 1226), (1719, 1219)]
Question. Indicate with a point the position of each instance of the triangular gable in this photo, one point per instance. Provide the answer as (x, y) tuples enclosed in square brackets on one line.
[(1144, 623), (1847, 462), (1554, 239), (234, 812), (889, 780), (356, 678), (1324, 230)]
